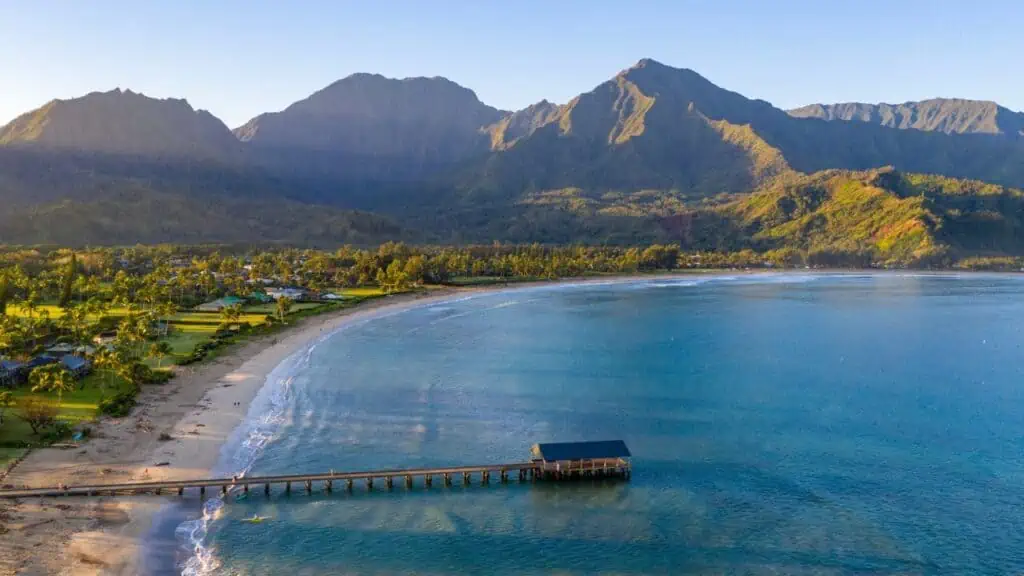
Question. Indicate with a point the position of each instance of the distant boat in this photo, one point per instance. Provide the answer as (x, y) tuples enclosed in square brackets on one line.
[(255, 519)]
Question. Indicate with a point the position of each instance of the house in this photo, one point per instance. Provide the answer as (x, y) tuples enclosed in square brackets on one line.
[(220, 304), (11, 373), (41, 360), (105, 338), (60, 349), (77, 365), (578, 458), (291, 293), (84, 350), (260, 297)]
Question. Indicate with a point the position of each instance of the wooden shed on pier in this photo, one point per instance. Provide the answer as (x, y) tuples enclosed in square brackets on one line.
[(577, 459)]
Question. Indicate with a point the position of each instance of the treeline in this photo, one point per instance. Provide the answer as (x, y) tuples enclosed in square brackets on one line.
[(188, 275)]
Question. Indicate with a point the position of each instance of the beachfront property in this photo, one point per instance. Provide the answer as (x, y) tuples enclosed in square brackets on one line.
[(10, 373), (220, 304), (290, 293), (77, 365)]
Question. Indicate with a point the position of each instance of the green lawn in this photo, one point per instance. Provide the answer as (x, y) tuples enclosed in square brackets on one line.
[(271, 308), (57, 312), (363, 291), (8, 454), (79, 405)]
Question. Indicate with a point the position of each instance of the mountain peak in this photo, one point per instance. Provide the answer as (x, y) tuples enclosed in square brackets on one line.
[(121, 121), (423, 121)]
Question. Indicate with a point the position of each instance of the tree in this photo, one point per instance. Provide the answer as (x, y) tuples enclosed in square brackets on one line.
[(159, 350), (76, 320), (284, 304), (106, 361), (414, 268), (52, 378), (6, 401), (166, 310), (68, 282), (5, 291), (231, 313), (37, 412)]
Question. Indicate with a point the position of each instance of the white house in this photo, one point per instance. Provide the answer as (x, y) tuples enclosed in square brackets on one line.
[(292, 293)]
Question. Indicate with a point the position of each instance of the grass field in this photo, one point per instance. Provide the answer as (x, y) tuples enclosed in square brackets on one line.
[(56, 311), (270, 308), (79, 405), (363, 292)]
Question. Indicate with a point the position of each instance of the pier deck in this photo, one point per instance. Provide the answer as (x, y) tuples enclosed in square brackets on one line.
[(523, 470)]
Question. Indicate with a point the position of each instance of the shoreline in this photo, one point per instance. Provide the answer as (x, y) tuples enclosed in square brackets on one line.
[(200, 409)]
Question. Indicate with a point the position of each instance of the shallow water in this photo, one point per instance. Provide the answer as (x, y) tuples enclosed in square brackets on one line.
[(781, 424)]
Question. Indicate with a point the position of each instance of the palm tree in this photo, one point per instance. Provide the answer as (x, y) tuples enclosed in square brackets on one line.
[(52, 378), (284, 304), (166, 310), (159, 350), (231, 313), (6, 401), (105, 361)]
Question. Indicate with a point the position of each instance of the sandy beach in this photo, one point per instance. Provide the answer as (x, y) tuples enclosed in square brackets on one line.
[(199, 409)]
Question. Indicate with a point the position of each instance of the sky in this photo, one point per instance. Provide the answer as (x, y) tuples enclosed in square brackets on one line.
[(239, 58)]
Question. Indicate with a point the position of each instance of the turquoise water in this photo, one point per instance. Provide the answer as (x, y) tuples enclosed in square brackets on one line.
[(781, 424)]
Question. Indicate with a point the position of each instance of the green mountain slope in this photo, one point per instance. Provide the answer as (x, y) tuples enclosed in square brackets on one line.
[(883, 216), (140, 215), (948, 115)]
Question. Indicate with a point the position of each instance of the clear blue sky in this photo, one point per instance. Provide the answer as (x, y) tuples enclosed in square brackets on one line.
[(238, 58)]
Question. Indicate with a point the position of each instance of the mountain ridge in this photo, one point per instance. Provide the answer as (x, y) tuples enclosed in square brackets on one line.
[(649, 152), (948, 115)]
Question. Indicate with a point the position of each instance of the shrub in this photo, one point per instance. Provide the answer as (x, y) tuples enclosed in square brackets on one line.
[(142, 374), (119, 405), (58, 432)]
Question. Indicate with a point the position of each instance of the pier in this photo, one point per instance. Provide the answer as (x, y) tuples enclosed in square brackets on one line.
[(551, 462)]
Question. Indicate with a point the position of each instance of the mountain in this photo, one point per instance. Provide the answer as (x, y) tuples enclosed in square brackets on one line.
[(649, 127), (655, 127), (126, 123), (367, 124), (951, 116), (655, 153)]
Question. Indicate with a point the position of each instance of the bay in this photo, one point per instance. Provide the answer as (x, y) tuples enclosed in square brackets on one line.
[(780, 423)]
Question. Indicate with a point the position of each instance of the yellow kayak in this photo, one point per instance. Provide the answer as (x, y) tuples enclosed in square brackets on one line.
[(254, 519)]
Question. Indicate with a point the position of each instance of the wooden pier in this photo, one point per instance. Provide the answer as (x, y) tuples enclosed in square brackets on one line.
[(538, 469)]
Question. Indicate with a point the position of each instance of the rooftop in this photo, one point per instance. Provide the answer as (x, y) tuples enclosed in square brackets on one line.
[(581, 450)]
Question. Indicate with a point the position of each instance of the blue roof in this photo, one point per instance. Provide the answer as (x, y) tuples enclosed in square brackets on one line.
[(10, 365), (38, 361), (72, 362), (581, 450)]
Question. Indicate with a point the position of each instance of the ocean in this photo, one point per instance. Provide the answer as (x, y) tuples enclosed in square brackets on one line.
[(780, 424)]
